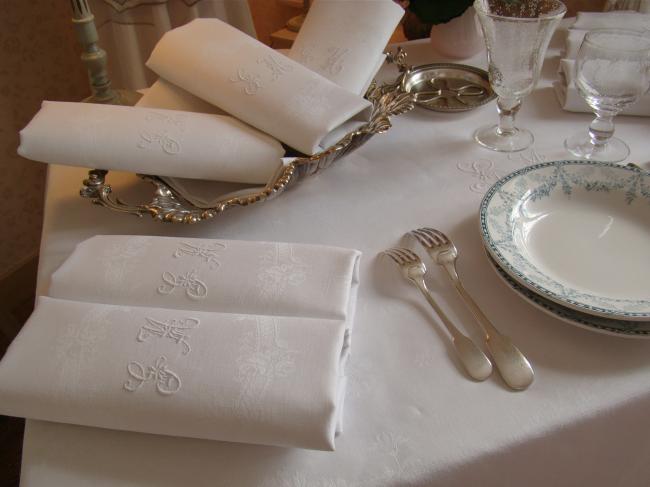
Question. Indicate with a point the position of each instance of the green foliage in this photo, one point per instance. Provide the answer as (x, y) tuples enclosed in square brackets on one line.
[(438, 11)]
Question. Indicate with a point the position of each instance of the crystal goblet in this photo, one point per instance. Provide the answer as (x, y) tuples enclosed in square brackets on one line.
[(612, 72), (517, 33)]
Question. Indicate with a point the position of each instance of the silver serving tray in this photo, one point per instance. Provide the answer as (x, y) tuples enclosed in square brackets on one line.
[(169, 205)]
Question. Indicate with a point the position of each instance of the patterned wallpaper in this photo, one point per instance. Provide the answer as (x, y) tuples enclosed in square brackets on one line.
[(38, 60)]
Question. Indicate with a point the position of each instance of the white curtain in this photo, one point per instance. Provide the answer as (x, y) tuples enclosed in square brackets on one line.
[(129, 29)]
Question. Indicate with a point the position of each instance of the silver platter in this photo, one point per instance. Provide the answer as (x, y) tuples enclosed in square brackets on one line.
[(170, 205), (445, 87)]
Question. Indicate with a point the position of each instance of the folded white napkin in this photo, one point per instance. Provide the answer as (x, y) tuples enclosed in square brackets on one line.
[(586, 21), (229, 276), (218, 339), (612, 20), (344, 40), (200, 192), (163, 94), (254, 83), (150, 141), (569, 98), (573, 41), (233, 377)]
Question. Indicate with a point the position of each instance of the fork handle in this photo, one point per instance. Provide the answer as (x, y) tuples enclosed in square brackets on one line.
[(476, 363), (451, 328), (513, 365)]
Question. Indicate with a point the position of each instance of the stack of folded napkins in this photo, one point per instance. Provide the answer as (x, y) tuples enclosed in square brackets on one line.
[(224, 340), (565, 88), (225, 103)]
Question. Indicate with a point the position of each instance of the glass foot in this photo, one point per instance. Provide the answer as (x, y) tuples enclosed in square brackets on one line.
[(615, 150), (488, 137)]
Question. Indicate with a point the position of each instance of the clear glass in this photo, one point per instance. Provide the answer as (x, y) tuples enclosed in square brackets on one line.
[(612, 72), (516, 35)]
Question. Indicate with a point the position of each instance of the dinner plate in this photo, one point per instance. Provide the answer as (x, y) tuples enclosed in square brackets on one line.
[(599, 324), (574, 232)]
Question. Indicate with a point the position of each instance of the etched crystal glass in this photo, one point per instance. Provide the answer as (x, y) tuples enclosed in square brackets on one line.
[(612, 72), (517, 33)]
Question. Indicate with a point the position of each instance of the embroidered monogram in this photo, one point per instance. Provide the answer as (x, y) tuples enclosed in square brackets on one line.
[(252, 82), (175, 330), (307, 55), (483, 170), (335, 60), (194, 288), (167, 144), (165, 132), (208, 253), (271, 68), (167, 382)]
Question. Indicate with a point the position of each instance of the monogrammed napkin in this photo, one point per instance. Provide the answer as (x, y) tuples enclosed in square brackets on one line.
[(223, 376), (218, 339), (163, 94), (344, 40), (586, 21), (150, 141), (200, 192), (612, 20), (251, 81), (230, 276)]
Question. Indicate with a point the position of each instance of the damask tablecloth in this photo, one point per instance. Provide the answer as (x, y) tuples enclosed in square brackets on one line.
[(412, 418)]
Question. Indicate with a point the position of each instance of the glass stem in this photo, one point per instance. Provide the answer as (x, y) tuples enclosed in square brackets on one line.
[(601, 129), (507, 108)]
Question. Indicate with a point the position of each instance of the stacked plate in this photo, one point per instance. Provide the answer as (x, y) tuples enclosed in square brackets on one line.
[(573, 238)]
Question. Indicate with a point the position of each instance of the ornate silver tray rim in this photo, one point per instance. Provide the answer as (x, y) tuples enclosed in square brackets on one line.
[(168, 205)]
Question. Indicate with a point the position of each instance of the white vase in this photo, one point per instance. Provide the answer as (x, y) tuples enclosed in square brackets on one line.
[(460, 38)]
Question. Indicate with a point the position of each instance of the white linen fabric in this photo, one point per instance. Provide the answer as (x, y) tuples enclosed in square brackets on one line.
[(229, 276), (235, 377), (612, 20), (587, 21), (200, 192), (254, 83), (411, 417), (163, 94), (344, 40), (129, 30), (570, 99), (150, 141)]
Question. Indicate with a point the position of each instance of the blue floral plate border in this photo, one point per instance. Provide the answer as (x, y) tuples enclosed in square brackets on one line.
[(634, 182)]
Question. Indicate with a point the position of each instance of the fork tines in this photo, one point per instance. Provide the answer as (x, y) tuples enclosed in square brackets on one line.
[(402, 256), (430, 237)]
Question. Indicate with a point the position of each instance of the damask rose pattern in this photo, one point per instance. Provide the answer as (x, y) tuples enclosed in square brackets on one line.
[(280, 271)]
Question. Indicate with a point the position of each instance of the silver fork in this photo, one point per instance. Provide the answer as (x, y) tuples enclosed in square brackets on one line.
[(476, 363), (513, 366)]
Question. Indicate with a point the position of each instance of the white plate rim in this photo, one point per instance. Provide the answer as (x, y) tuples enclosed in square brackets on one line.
[(563, 313), (521, 277)]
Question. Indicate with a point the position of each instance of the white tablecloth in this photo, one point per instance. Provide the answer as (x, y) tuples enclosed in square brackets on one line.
[(411, 416)]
